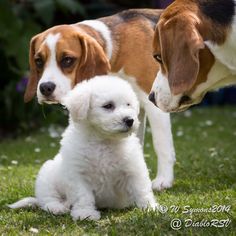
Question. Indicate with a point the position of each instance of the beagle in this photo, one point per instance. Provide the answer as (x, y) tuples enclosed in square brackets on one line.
[(194, 44), (65, 55)]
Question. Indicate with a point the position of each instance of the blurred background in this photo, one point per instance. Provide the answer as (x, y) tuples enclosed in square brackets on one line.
[(19, 21)]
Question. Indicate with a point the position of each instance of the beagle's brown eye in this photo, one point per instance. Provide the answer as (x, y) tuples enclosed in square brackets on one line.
[(109, 106), (67, 61), (39, 62), (158, 58)]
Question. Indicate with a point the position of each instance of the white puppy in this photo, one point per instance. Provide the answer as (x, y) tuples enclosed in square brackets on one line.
[(100, 163)]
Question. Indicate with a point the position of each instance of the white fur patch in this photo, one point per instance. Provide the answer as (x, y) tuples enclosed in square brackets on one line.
[(163, 97), (104, 31), (53, 74), (51, 41)]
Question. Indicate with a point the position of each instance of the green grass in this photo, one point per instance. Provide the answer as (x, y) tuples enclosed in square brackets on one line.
[(205, 175)]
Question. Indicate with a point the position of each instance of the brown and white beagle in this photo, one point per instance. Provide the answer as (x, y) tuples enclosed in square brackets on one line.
[(195, 44), (64, 55)]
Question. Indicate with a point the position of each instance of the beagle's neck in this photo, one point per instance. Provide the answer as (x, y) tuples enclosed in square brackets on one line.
[(226, 52), (218, 29), (217, 18)]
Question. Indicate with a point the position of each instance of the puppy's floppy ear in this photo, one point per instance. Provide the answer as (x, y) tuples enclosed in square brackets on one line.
[(77, 101), (93, 61), (31, 87)]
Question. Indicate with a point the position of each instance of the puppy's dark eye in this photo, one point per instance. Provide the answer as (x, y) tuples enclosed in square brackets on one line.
[(158, 58), (67, 61), (128, 104), (109, 106), (39, 62)]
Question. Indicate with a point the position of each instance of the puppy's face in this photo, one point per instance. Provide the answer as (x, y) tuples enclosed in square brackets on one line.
[(107, 103), (113, 113), (60, 58)]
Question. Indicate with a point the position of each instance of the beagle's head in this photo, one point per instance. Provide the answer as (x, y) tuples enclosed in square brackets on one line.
[(59, 58), (179, 48)]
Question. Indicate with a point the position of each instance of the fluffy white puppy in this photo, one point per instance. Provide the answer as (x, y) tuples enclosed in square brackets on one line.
[(100, 163)]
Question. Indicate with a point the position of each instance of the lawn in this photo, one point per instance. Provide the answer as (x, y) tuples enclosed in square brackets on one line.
[(205, 180)]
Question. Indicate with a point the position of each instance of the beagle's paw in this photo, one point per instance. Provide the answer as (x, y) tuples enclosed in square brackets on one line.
[(160, 183)]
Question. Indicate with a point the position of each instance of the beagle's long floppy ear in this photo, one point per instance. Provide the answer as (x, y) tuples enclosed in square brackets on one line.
[(93, 62), (31, 87), (182, 57), (77, 101)]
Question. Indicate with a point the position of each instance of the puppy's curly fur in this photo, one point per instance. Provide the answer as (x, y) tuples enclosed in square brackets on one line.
[(100, 163)]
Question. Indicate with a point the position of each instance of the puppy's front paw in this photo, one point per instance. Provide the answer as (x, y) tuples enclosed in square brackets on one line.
[(153, 206), (148, 203), (161, 183), (85, 213), (150, 207), (56, 208)]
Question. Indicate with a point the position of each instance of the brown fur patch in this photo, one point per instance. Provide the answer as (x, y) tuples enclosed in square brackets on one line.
[(207, 60), (36, 49), (132, 42), (135, 56)]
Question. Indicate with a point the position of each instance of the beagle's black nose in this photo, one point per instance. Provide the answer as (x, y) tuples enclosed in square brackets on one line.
[(184, 100), (47, 88), (151, 97), (128, 121)]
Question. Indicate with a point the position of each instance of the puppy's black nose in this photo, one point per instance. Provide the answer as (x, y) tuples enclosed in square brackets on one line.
[(151, 97), (47, 88), (128, 121)]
